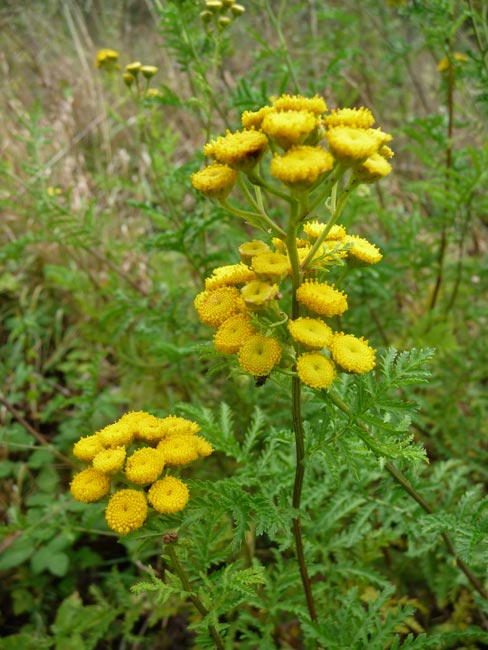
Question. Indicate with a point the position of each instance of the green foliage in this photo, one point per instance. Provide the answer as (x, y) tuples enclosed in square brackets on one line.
[(103, 246)]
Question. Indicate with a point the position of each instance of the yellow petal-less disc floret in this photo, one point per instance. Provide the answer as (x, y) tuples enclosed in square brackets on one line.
[(361, 251), (289, 128), (250, 249), (174, 425), (351, 353), (168, 495), (143, 426), (311, 332), (254, 119), (126, 511), (216, 306), (315, 370), (110, 461), (89, 485), (87, 448), (259, 355), (372, 169), (350, 145), (144, 466), (301, 166), (116, 434), (358, 118), (232, 333), (258, 294), (204, 448), (230, 275), (178, 450), (215, 181), (315, 104), (313, 229), (322, 298), (240, 150), (270, 266)]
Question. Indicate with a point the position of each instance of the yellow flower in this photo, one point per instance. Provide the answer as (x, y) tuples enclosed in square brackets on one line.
[(301, 166), (350, 145), (259, 355), (216, 306), (89, 485), (126, 511), (178, 450), (351, 353), (362, 252), (315, 104), (173, 425), (372, 169), (249, 249), (215, 180), (144, 466), (143, 426), (115, 435), (311, 332), (289, 128), (204, 448), (271, 266), (314, 229), (232, 333), (444, 64), (87, 448), (322, 298), (168, 495), (315, 370), (254, 119), (149, 71), (109, 461), (133, 68), (106, 59), (386, 152), (232, 274), (241, 150), (258, 294), (358, 118)]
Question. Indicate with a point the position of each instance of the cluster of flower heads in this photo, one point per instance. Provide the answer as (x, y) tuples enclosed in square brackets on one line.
[(239, 298), (309, 147), (295, 129), (221, 13), (136, 451), (108, 60)]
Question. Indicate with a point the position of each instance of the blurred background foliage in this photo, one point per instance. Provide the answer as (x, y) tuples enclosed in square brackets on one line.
[(104, 244)]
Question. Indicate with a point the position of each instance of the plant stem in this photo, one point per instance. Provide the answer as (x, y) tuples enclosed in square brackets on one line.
[(281, 38), (401, 479), (298, 426), (181, 573)]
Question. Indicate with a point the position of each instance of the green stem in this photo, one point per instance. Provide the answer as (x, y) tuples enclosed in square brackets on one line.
[(276, 24), (298, 424), (256, 179), (254, 218), (180, 572), (401, 479)]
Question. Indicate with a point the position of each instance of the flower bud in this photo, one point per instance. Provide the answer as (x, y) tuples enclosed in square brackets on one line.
[(149, 71), (237, 10), (224, 21), (133, 68), (128, 79)]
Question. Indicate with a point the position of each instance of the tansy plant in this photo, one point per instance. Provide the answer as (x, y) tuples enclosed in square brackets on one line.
[(275, 312)]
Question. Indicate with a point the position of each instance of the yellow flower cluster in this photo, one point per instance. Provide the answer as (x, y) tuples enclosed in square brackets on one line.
[(295, 129), (107, 59), (136, 450), (221, 13)]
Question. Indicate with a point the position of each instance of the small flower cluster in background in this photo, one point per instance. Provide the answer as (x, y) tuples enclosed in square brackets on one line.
[(243, 301), (221, 13), (135, 451), (108, 60)]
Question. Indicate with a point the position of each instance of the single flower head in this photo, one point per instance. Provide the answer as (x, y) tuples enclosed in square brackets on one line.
[(87, 448), (89, 485), (289, 128), (110, 461), (315, 370), (361, 251), (313, 230), (315, 105), (258, 294), (168, 495), (322, 298), (358, 118), (301, 166), (233, 333), (116, 434), (351, 353), (215, 181), (250, 249), (126, 511), (241, 150), (230, 275), (178, 450), (216, 306), (144, 466), (259, 354), (270, 266), (311, 332)]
